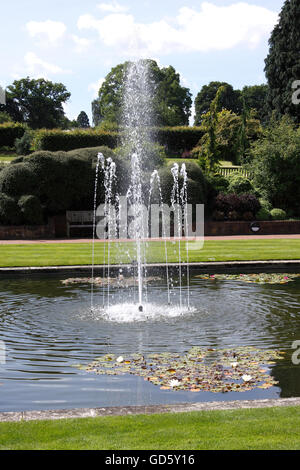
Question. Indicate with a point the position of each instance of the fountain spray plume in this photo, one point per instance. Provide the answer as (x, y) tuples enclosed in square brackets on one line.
[(137, 119), (100, 161)]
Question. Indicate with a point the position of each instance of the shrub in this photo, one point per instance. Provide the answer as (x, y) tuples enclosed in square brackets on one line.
[(248, 215), (153, 157), (177, 139), (245, 205), (9, 132), (218, 183), (174, 139), (4, 117), (31, 210), (18, 179), (278, 214), (196, 192), (263, 214), (239, 184), (55, 140), (10, 213), (265, 204), (23, 144), (218, 215), (276, 165)]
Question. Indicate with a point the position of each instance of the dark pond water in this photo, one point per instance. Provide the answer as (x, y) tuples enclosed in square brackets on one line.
[(48, 328)]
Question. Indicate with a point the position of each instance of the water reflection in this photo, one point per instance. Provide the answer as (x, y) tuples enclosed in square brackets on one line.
[(48, 327)]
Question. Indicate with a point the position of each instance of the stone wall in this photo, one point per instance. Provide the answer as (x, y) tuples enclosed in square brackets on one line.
[(28, 232), (272, 227)]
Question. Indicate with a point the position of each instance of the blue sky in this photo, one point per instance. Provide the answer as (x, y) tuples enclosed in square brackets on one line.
[(78, 42)]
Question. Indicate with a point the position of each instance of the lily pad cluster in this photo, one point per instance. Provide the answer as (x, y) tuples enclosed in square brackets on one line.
[(200, 369), (262, 278), (120, 281)]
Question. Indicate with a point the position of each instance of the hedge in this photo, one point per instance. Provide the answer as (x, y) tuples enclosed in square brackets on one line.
[(9, 132), (177, 139), (174, 139), (55, 140)]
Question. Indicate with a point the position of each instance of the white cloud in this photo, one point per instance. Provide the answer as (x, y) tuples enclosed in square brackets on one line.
[(95, 86), (82, 44), (209, 28), (47, 31), (112, 7), (37, 68)]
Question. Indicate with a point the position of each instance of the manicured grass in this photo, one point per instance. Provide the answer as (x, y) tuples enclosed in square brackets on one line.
[(172, 160), (7, 157), (81, 253), (254, 429)]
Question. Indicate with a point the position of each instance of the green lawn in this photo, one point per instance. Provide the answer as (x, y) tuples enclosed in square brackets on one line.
[(255, 429), (81, 253), (7, 157)]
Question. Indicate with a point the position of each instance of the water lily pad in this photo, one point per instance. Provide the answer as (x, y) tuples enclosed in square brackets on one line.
[(261, 278), (194, 370)]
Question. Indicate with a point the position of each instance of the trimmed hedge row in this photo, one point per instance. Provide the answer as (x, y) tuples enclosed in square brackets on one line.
[(9, 132), (174, 139), (55, 140), (178, 139)]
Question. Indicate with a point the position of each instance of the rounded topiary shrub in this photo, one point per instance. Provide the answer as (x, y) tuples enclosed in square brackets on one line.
[(10, 213), (278, 214), (18, 179), (91, 153), (218, 183), (195, 192), (239, 184), (31, 210), (263, 214)]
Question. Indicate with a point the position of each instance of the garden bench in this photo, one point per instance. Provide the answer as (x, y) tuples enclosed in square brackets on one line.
[(79, 219)]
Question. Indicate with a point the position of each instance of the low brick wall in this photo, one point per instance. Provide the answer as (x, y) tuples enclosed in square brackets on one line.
[(272, 227), (28, 232)]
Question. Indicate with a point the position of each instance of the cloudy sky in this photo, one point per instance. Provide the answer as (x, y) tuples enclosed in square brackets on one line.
[(77, 42)]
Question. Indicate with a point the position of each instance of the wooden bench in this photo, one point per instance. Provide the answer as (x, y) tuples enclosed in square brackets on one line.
[(79, 219)]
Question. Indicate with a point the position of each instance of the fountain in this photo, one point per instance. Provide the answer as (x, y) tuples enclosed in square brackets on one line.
[(137, 121)]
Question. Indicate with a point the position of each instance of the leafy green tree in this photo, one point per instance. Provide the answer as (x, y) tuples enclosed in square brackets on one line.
[(207, 150), (229, 99), (4, 117), (83, 120), (229, 138), (255, 98), (276, 165), (171, 102), (39, 103), (96, 113), (282, 65)]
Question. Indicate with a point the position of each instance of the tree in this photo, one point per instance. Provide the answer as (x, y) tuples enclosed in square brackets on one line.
[(4, 117), (227, 137), (229, 99), (39, 103), (97, 118), (83, 120), (207, 150), (255, 97), (171, 102), (276, 165), (282, 65)]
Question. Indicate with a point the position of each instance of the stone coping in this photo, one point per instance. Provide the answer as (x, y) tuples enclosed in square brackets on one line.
[(211, 267), (148, 409)]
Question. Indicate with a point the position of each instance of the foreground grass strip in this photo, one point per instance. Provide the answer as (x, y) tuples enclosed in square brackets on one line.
[(66, 254), (256, 429)]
